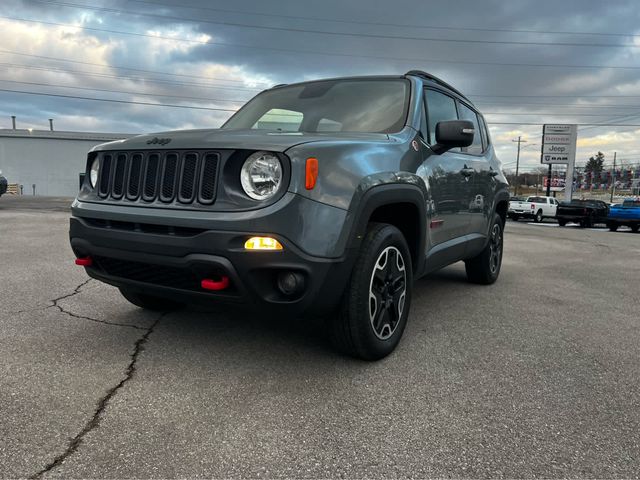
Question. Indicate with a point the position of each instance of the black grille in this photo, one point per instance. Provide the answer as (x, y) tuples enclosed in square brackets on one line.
[(151, 177), (118, 177), (145, 227), (135, 174), (144, 272), (188, 178), (105, 176), (167, 177), (208, 174)]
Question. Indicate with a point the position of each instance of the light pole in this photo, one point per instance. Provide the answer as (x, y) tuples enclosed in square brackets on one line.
[(518, 141)]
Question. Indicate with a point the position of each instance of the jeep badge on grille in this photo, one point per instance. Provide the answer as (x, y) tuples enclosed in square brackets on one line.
[(158, 141)]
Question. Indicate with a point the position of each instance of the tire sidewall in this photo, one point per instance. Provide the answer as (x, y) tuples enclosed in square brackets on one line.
[(496, 221), (538, 217), (366, 341)]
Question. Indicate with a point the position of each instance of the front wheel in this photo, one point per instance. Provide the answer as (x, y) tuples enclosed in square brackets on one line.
[(485, 267), (376, 302), (150, 302)]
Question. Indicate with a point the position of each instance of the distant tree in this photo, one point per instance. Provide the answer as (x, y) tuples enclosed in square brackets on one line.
[(594, 166)]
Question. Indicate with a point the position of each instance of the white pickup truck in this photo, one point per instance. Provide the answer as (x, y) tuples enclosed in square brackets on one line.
[(537, 208)]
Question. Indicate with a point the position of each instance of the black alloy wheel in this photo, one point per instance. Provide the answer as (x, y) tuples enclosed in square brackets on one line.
[(387, 292)]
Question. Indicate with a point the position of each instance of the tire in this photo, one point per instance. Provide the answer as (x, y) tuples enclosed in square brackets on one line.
[(612, 227), (635, 227), (150, 302), (538, 218), (589, 221), (361, 328), (562, 223), (484, 268)]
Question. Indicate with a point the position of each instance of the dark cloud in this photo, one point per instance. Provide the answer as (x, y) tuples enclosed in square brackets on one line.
[(246, 58)]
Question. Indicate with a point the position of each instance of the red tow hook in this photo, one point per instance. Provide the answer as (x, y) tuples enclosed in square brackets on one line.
[(84, 261), (209, 284)]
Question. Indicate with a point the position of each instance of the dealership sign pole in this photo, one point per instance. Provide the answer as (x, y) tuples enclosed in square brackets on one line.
[(559, 147)]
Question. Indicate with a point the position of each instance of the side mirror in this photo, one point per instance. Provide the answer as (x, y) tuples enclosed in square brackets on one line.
[(452, 134)]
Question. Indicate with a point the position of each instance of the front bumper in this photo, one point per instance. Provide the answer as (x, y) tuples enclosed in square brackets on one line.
[(171, 263)]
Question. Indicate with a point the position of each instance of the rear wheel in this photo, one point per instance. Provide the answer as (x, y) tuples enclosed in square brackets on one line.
[(376, 303), (150, 302), (485, 267), (538, 217), (589, 221)]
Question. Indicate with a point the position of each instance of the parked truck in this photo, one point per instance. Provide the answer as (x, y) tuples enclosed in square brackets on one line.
[(536, 208), (3, 184), (585, 213), (627, 213)]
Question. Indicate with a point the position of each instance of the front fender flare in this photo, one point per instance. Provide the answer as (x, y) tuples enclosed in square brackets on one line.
[(383, 189)]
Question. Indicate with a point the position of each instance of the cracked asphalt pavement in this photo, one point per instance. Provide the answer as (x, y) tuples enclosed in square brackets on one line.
[(536, 376)]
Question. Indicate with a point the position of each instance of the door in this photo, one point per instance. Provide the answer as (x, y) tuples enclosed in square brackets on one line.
[(448, 176), (480, 183)]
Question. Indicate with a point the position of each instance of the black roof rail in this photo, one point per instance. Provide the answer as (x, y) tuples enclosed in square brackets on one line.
[(279, 85), (428, 76)]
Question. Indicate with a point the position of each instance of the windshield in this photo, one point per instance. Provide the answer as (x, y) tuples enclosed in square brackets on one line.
[(371, 105)]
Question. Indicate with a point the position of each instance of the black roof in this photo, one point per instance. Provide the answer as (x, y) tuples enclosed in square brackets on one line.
[(433, 78)]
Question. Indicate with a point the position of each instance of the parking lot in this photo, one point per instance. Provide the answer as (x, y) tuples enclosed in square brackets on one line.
[(537, 375)]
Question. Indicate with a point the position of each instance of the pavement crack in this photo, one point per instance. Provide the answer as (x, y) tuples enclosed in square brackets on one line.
[(75, 292), (102, 404), (106, 322), (55, 303)]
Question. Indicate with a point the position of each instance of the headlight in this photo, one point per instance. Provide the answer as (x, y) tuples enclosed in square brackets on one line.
[(261, 175), (93, 173)]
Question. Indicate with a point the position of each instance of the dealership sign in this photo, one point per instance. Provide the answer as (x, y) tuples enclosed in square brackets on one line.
[(559, 144)]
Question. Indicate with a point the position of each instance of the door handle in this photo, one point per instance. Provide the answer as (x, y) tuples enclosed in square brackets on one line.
[(467, 172)]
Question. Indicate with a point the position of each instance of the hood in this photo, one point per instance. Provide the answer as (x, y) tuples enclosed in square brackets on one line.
[(232, 139)]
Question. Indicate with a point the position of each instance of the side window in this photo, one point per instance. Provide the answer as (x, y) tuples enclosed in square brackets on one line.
[(440, 108), (467, 114)]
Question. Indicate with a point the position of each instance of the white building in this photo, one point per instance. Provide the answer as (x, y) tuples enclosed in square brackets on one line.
[(50, 160)]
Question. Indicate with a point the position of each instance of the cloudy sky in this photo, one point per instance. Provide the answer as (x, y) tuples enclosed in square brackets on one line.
[(523, 63)]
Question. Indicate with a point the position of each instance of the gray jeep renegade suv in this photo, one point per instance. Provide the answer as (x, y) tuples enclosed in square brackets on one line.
[(326, 197)]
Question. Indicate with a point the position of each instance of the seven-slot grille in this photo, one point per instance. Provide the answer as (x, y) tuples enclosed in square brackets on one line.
[(167, 177)]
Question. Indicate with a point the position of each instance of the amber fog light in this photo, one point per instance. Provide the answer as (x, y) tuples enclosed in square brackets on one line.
[(262, 243)]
